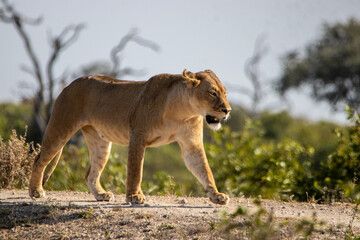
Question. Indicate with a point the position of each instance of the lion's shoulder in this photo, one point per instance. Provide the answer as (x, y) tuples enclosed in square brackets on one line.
[(165, 81)]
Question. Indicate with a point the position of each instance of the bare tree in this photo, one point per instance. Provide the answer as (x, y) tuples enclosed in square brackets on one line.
[(252, 71), (113, 67), (41, 104), (46, 82)]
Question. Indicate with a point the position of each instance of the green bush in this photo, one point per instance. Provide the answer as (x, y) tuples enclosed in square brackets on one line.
[(343, 165), (278, 126), (245, 164), (71, 170)]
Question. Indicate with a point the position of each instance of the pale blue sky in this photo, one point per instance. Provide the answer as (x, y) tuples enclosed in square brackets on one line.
[(197, 35)]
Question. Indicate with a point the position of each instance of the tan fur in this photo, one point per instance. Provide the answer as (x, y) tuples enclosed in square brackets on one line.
[(164, 109)]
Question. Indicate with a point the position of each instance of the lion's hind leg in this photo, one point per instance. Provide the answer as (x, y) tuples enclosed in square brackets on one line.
[(48, 152), (99, 153)]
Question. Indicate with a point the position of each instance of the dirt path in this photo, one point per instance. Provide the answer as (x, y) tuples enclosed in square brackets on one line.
[(73, 215)]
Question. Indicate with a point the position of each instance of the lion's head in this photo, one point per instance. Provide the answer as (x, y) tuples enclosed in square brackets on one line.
[(209, 96)]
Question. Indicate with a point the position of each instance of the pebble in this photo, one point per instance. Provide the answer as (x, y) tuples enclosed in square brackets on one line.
[(182, 201)]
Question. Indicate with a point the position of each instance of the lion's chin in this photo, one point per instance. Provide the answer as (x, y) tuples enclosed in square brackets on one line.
[(213, 122), (214, 126)]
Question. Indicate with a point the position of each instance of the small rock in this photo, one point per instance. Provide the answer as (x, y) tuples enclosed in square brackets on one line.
[(182, 200), (146, 205)]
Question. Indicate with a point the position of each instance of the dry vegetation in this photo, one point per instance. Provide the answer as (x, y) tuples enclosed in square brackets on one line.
[(16, 158)]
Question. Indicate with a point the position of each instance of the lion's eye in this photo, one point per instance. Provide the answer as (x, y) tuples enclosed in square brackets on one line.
[(213, 94)]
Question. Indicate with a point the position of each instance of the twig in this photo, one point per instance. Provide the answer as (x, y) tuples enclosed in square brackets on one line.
[(131, 36)]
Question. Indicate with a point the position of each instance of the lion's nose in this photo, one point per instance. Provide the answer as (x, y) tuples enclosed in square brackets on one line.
[(225, 110)]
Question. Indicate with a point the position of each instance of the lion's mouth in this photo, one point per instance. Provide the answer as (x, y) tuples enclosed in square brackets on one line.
[(211, 119)]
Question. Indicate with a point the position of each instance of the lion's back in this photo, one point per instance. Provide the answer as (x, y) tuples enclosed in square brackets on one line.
[(93, 97)]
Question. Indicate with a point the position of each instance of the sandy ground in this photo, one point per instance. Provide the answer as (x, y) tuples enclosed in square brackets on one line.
[(74, 215)]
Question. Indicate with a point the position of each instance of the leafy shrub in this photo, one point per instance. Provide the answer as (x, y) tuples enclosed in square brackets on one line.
[(343, 165), (259, 225), (245, 164), (16, 160), (319, 135), (262, 224), (71, 170)]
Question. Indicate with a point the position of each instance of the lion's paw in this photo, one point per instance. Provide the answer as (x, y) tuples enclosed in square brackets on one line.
[(107, 196), (36, 192), (137, 198), (219, 198)]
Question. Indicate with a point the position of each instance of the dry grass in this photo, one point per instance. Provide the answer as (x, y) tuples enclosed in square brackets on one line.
[(16, 160)]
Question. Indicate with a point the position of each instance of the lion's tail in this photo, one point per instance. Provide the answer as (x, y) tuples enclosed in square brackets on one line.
[(53, 165)]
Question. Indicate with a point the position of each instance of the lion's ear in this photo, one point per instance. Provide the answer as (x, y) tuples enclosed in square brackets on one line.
[(191, 80), (188, 74)]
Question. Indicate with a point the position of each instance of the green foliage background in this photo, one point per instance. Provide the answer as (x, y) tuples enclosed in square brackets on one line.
[(267, 168), (329, 66)]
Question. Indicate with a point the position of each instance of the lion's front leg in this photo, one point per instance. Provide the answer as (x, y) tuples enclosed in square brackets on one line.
[(135, 162), (196, 161)]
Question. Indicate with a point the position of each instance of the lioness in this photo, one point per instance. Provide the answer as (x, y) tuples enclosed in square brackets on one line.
[(164, 109)]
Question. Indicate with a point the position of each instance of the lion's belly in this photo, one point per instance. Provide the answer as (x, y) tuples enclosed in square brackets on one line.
[(161, 135), (121, 137), (159, 140), (118, 136)]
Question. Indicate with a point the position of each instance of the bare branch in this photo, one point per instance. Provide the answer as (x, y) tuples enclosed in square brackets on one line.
[(3, 17), (18, 21), (146, 43), (28, 70), (131, 36), (9, 15), (8, 9), (68, 35), (58, 44), (252, 71)]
